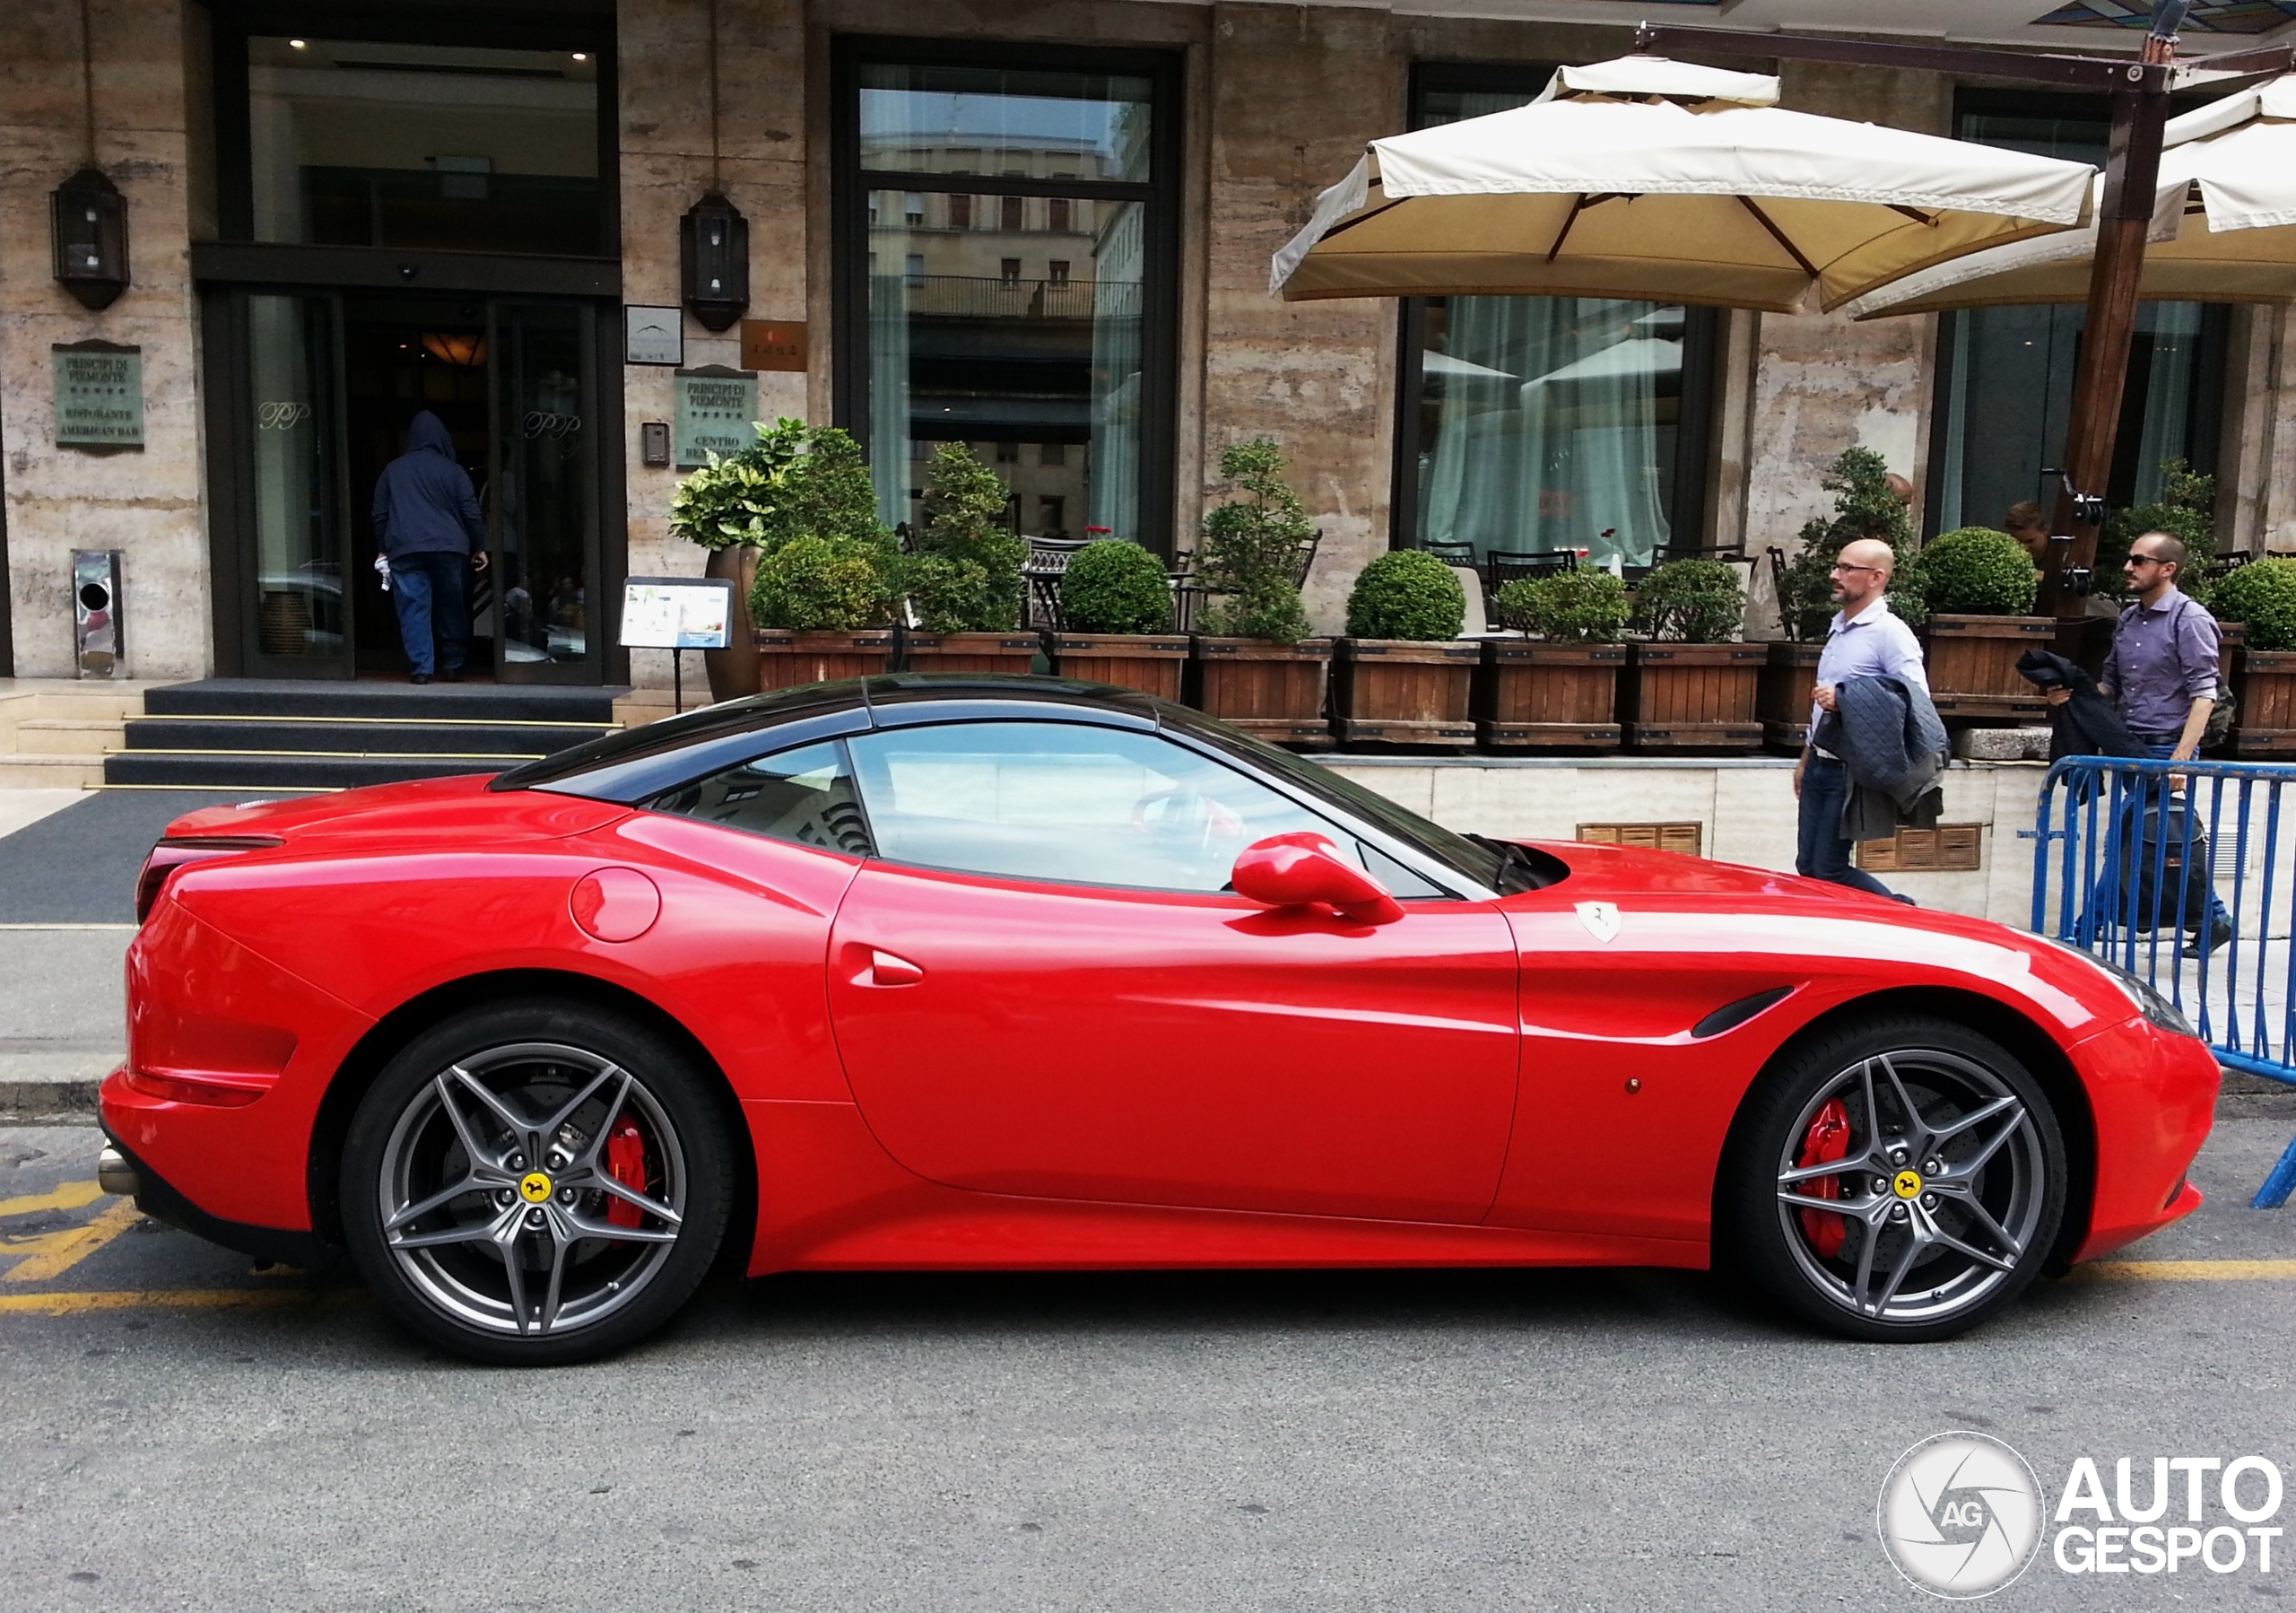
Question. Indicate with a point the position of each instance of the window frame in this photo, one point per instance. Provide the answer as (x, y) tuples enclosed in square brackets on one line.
[(1701, 343), (1158, 195)]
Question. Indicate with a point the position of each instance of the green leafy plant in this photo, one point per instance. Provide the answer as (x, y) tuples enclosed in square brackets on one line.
[(1864, 507), (739, 499), (965, 576), (1406, 593), (1115, 586), (1978, 571), (2186, 511), (820, 585), (1250, 548), (2261, 594), (1690, 602), (1583, 606)]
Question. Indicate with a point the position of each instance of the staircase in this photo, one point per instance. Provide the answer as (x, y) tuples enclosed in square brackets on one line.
[(54, 732), (289, 734)]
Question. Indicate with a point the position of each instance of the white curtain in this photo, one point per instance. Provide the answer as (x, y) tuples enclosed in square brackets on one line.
[(1547, 429), (889, 466), (1112, 480)]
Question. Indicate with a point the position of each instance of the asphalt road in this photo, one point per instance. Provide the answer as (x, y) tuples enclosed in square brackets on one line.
[(175, 1432)]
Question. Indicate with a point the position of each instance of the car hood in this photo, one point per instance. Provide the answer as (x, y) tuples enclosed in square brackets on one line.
[(457, 812)]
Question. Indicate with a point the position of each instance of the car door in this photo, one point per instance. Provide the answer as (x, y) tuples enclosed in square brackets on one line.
[(1039, 986)]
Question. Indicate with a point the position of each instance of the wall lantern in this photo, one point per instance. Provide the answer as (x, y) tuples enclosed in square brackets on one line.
[(714, 251), (89, 218)]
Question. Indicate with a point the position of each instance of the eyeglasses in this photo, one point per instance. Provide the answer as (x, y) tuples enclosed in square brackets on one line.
[(1838, 568), (2143, 560)]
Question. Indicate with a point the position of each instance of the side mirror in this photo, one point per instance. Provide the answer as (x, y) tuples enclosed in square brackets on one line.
[(1296, 870)]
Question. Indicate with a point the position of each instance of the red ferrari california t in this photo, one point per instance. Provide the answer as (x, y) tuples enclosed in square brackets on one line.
[(932, 972)]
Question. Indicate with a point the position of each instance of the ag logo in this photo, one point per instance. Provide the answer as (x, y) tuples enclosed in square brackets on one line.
[(1601, 919), (1961, 1515)]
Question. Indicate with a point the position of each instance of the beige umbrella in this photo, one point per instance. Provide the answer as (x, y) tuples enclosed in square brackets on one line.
[(2224, 226), (1646, 177)]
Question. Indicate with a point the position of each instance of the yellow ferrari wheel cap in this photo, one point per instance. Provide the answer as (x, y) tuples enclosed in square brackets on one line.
[(534, 1187), (1907, 1184)]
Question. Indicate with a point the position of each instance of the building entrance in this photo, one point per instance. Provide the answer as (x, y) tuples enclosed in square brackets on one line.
[(327, 384)]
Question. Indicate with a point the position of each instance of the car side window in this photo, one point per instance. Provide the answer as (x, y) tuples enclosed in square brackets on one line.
[(1067, 803), (804, 795)]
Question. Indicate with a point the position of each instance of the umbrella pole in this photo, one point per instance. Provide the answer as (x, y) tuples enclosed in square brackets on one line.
[(2132, 174)]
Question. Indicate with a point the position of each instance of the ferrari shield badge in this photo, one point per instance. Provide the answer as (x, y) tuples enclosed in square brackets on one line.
[(1601, 919)]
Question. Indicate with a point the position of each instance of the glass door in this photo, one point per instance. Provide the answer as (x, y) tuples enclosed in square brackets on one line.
[(295, 570), (539, 597)]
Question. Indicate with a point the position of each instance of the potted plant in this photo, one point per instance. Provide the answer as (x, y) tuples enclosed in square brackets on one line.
[(825, 589), (1116, 606), (963, 582), (725, 507), (2186, 511), (1690, 683), (1561, 688), (2261, 598), (1402, 672), (1865, 507), (1256, 665), (1979, 585)]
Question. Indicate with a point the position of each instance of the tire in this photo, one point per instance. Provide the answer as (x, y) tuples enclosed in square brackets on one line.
[(1913, 1252), (548, 1116)]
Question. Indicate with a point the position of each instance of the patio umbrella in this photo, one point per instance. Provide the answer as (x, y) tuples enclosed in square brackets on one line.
[(2224, 226), (1646, 178)]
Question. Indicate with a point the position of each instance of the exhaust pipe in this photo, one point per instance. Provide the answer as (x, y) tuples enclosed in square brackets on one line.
[(116, 1174)]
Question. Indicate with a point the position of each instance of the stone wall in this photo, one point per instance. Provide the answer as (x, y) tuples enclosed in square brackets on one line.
[(147, 503)]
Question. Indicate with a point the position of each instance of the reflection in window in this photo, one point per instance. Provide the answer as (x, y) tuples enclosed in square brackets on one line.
[(805, 795), (1066, 803), (298, 580), (371, 145)]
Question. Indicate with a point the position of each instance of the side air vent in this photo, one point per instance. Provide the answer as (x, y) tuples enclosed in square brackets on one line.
[(1731, 1016)]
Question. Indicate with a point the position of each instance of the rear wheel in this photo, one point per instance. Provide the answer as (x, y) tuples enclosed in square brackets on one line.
[(1899, 1180), (535, 1183)]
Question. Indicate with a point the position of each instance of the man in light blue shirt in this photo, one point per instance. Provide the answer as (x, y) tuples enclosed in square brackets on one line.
[(1866, 639)]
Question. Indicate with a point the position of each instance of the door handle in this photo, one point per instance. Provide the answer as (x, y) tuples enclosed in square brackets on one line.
[(886, 970)]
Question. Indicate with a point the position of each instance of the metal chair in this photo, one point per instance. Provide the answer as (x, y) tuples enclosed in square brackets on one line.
[(1509, 565), (1454, 554), (1046, 563)]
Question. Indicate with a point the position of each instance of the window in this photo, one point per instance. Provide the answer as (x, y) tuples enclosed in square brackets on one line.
[(1008, 453), (1052, 454), (1080, 145), (961, 212), (1547, 422), (1052, 515), (1066, 803), (375, 144), (804, 795), (915, 211), (915, 272), (2004, 380), (1056, 273)]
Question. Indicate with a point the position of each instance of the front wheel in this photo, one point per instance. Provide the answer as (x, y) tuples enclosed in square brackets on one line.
[(536, 1183), (1900, 1181)]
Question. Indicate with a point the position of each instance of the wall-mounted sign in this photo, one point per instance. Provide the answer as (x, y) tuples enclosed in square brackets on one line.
[(677, 613), (98, 394), (773, 345), (653, 335), (715, 407)]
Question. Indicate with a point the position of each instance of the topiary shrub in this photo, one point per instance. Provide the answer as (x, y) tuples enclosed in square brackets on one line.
[(1583, 606), (1115, 586), (1406, 593), (2261, 594), (1864, 507), (1690, 602), (2186, 511), (965, 576), (822, 585), (1978, 571), (1250, 548)]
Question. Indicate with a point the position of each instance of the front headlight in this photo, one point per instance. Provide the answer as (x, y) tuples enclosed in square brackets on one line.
[(2156, 1009)]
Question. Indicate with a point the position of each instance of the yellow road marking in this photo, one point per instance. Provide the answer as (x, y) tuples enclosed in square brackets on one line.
[(50, 1257), (2191, 1271), (72, 1195), (182, 1299)]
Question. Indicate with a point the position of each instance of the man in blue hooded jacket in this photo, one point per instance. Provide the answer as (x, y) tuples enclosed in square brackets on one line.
[(426, 518)]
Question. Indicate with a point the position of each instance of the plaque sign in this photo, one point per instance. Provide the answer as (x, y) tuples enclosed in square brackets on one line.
[(715, 407), (773, 345), (677, 613), (98, 394)]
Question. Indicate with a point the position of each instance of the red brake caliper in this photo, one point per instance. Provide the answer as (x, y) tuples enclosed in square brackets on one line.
[(1827, 1140), (626, 1163)]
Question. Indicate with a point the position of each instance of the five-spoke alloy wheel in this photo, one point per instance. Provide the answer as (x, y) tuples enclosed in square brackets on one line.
[(536, 1183), (1900, 1180)]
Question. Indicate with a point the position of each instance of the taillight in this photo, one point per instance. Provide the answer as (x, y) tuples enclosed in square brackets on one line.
[(169, 855)]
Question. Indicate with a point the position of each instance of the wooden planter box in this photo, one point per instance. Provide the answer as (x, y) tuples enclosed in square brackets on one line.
[(1972, 662), (1681, 695), (1273, 692), (732, 673), (1014, 651), (1152, 663), (1403, 691), (786, 658), (1533, 693), (1788, 683), (2266, 723)]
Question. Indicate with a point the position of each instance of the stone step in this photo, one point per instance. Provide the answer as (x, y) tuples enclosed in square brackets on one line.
[(68, 736), (21, 770)]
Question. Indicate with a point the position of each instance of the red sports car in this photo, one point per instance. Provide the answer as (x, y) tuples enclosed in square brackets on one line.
[(911, 972)]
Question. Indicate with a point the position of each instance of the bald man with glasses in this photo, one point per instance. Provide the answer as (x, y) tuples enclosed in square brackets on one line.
[(1865, 640)]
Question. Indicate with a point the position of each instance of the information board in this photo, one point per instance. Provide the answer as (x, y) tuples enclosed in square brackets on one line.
[(715, 407), (98, 394), (677, 613)]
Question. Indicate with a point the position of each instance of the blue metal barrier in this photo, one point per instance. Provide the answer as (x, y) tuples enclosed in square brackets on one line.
[(2134, 864)]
